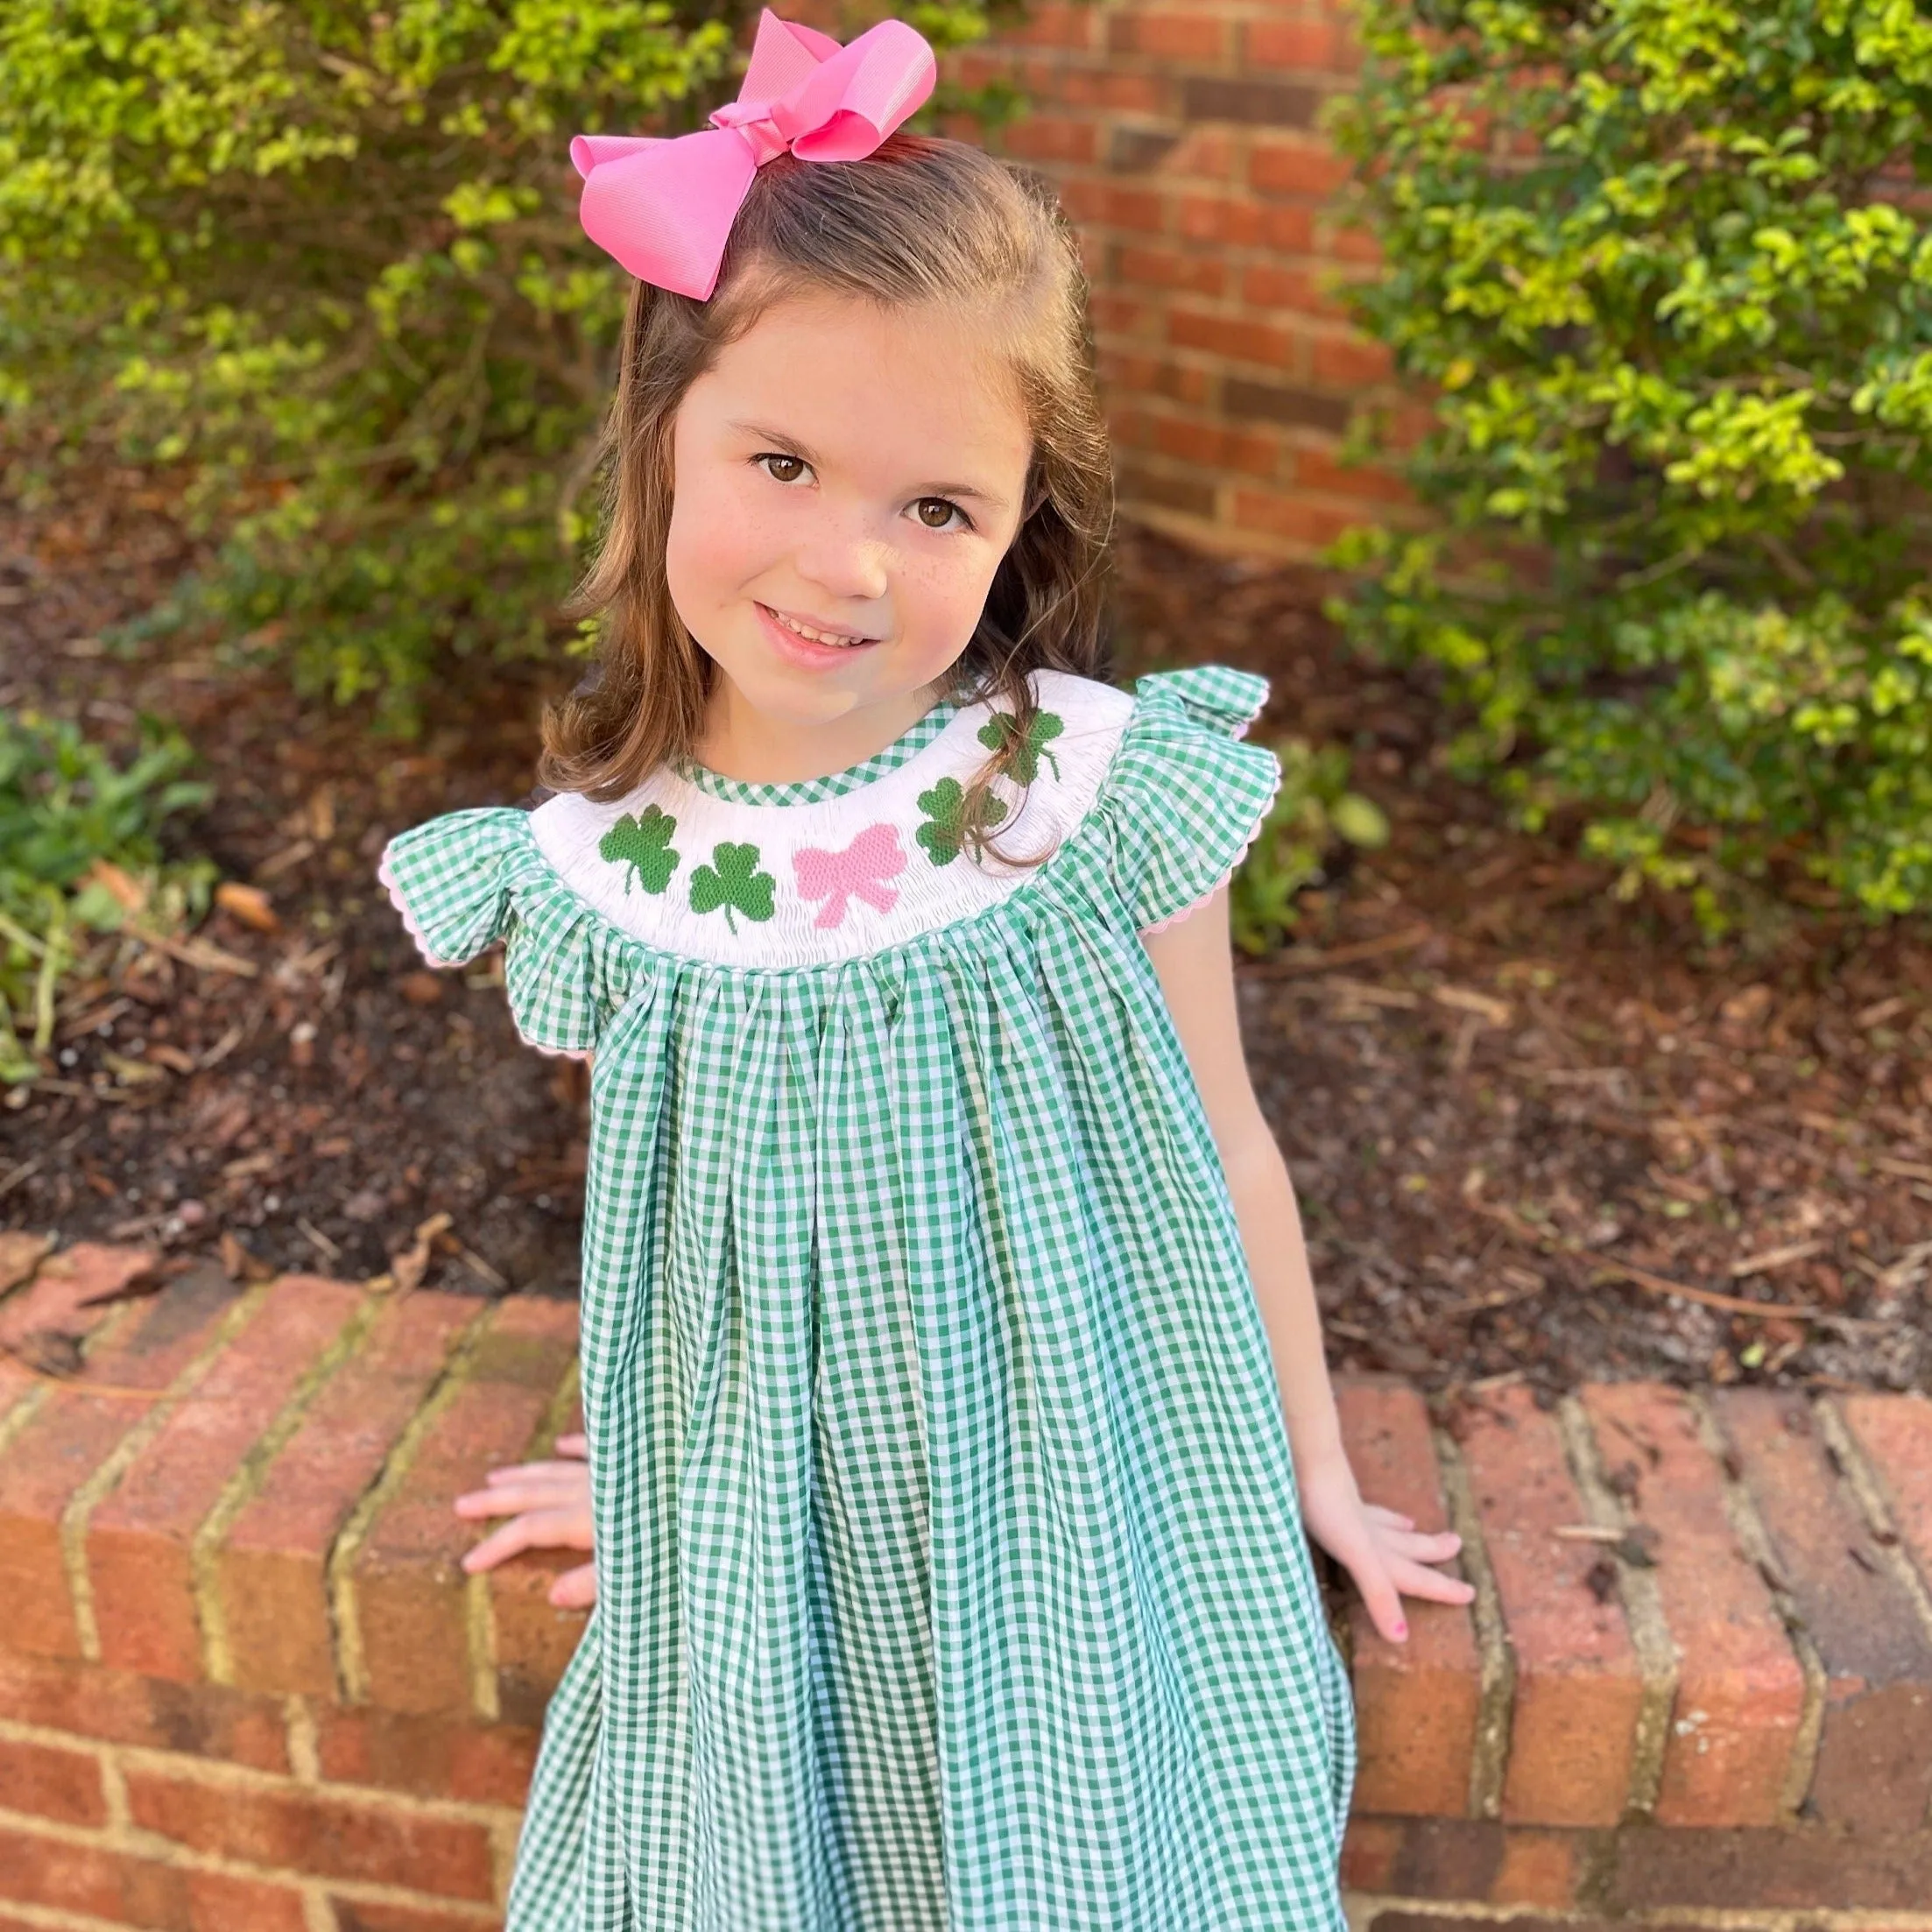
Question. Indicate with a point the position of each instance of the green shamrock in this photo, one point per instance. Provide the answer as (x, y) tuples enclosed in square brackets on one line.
[(945, 806), (1003, 728), (732, 878), (644, 844)]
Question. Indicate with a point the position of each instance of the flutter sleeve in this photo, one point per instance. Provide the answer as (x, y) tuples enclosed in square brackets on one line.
[(1187, 796), (469, 879)]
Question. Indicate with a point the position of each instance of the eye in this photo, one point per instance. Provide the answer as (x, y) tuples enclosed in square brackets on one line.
[(948, 509), (798, 465)]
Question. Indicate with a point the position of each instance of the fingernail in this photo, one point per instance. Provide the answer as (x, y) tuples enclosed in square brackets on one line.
[(1401, 1629)]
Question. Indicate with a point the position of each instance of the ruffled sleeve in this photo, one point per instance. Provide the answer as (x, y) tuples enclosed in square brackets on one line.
[(1188, 797), (469, 879)]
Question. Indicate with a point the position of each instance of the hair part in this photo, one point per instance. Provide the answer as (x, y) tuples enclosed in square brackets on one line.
[(921, 222)]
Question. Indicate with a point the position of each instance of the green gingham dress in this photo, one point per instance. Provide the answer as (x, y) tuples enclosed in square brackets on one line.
[(950, 1569)]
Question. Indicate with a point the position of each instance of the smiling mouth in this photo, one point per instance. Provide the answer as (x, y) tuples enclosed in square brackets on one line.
[(813, 632)]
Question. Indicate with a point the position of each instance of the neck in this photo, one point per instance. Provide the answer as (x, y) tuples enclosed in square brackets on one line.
[(740, 741)]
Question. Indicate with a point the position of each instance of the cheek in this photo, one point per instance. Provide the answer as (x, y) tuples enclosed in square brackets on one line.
[(711, 547)]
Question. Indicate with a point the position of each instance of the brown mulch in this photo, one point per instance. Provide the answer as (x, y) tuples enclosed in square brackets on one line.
[(1536, 1132)]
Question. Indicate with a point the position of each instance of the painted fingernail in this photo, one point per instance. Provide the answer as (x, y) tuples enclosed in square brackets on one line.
[(1401, 1629)]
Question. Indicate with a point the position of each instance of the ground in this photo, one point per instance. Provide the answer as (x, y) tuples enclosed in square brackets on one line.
[(1537, 1132)]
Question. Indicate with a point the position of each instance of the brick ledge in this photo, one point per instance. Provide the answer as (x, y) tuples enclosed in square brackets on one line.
[(241, 1661)]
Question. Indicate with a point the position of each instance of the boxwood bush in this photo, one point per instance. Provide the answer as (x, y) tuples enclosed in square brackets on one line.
[(319, 264), (1663, 268)]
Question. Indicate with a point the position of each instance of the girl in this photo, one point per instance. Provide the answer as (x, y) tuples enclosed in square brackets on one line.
[(947, 1518)]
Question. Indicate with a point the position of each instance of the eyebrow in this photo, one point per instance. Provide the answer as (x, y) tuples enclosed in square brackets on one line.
[(768, 434)]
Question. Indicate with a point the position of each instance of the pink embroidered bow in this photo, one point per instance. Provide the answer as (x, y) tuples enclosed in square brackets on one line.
[(664, 207), (860, 871)]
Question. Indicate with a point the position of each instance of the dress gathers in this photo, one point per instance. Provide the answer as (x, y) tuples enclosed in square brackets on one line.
[(950, 1569)]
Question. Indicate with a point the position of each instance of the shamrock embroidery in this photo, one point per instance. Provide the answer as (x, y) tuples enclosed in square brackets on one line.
[(944, 807), (858, 871), (732, 878), (644, 844), (1003, 728)]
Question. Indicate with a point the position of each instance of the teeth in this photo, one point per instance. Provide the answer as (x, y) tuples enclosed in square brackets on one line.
[(806, 630)]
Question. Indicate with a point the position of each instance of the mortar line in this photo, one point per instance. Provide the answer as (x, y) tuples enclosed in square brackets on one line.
[(1865, 1484), (338, 1567), (1495, 1679), (1643, 1609), (1755, 1538), (17, 1419), (242, 1487), (88, 1497)]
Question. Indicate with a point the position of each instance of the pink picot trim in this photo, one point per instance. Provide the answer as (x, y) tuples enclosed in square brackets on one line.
[(433, 959), (1194, 905)]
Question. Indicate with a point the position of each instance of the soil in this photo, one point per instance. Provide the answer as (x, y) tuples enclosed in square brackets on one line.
[(1538, 1134)]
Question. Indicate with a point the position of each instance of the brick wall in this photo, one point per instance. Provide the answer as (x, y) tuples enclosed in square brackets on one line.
[(245, 1685), (1182, 135)]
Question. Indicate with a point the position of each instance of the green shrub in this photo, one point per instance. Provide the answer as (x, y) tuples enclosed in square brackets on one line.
[(321, 263), (1662, 265), (71, 820), (1313, 814)]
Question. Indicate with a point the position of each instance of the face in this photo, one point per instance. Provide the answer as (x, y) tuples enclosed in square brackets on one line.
[(847, 480)]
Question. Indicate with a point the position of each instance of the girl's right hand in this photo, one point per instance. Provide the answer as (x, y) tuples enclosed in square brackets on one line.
[(549, 1505)]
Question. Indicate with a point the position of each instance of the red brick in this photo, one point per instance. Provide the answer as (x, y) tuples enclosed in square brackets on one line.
[(316, 1832), (140, 1538), (1270, 286), (1740, 1689), (408, 1580), (535, 1639), (1895, 1433), (118, 1707), (1287, 228), (1124, 314), (1233, 220), (63, 1875), (1048, 25), (1466, 1859), (270, 1570), (69, 1294), (71, 1435), (1305, 46), (1124, 93), (1233, 336), (1315, 470), (51, 1782), (1196, 38), (1169, 268), (376, 1915), (1417, 1702), (1219, 448), (1578, 1686), (1874, 1767), (1296, 167), (480, 1763), (1657, 1869), (1313, 526), (1204, 152), (1350, 362), (1050, 138)]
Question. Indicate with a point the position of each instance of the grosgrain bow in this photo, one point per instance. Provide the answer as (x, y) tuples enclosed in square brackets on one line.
[(859, 870), (664, 208)]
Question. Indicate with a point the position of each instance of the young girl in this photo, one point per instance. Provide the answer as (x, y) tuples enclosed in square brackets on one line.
[(947, 1512)]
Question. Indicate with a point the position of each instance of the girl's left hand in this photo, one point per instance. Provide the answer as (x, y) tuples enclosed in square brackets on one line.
[(1381, 1548)]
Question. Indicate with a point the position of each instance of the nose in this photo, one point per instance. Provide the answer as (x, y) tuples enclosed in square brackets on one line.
[(845, 558)]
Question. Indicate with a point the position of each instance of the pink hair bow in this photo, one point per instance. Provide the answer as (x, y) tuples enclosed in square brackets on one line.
[(664, 208), (860, 871)]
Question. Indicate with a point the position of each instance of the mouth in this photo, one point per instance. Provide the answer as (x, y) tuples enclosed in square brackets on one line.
[(828, 635)]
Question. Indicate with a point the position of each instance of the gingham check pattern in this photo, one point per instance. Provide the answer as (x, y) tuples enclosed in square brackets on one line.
[(950, 1569), (810, 791)]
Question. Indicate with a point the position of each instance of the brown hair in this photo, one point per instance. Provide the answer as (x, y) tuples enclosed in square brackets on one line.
[(922, 220)]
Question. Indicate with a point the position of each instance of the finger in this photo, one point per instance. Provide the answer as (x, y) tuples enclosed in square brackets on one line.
[(575, 1589), (1425, 1547), (1413, 1580), (578, 1444), (508, 1497), (534, 1529), (518, 1472), (1381, 1598), (1385, 1515)]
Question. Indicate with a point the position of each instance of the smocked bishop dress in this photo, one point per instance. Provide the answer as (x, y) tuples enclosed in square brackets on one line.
[(950, 1569)]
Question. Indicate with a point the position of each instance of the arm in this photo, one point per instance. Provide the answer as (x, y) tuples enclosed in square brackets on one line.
[(1193, 961)]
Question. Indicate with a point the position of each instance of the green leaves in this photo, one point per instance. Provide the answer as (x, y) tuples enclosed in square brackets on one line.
[(1003, 728), (732, 880), (944, 808), (1655, 258), (644, 844)]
